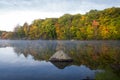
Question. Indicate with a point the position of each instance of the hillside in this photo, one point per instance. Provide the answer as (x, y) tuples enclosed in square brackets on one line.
[(100, 25)]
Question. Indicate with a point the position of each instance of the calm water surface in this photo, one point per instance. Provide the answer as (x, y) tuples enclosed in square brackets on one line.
[(29, 60)]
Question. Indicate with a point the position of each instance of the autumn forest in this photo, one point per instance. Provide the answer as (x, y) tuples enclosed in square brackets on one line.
[(95, 24)]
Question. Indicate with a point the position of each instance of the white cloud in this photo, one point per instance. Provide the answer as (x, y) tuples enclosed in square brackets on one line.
[(13, 12), (9, 20)]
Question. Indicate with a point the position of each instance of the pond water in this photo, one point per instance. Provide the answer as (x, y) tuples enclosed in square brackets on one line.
[(29, 60)]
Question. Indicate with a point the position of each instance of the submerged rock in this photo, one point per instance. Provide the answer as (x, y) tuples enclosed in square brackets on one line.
[(60, 56)]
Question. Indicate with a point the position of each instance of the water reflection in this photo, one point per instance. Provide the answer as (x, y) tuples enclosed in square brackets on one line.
[(61, 65), (26, 58)]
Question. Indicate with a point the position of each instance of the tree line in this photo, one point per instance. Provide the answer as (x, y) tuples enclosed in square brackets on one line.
[(95, 24)]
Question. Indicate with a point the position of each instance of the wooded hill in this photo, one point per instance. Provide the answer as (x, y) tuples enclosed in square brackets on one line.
[(95, 24)]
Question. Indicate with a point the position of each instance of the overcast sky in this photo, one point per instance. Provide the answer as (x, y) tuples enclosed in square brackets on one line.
[(13, 12)]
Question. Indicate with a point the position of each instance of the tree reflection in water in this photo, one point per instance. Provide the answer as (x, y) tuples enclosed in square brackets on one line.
[(93, 54)]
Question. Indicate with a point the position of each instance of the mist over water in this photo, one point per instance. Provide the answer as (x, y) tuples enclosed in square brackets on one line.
[(29, 59)]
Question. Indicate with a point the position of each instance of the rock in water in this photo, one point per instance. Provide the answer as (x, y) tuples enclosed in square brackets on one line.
[(61, 65), (60, 56)]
